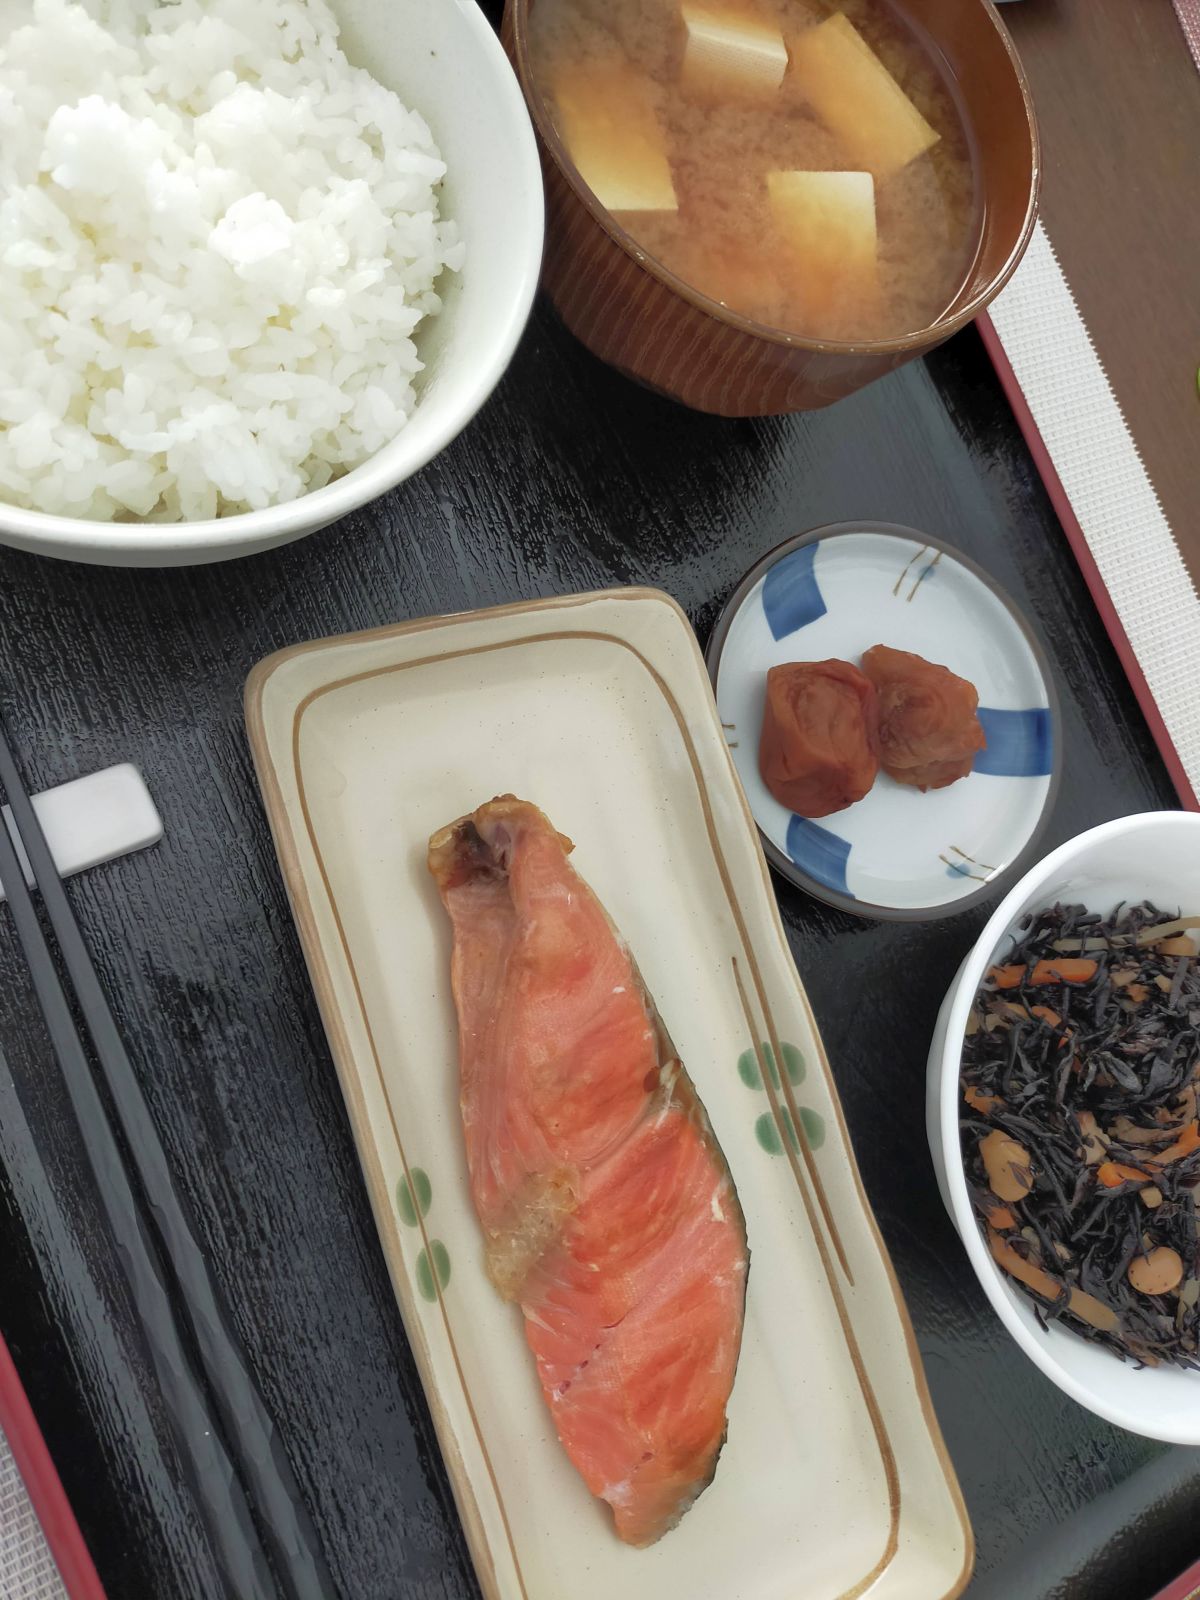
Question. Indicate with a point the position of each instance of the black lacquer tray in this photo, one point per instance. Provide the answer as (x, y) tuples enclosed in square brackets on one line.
[(570, 479)]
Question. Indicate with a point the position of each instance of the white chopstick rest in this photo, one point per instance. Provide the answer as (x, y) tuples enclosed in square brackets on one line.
[(94, 819)]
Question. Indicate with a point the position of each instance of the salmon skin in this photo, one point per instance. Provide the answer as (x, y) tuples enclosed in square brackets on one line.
[(608, 1211)]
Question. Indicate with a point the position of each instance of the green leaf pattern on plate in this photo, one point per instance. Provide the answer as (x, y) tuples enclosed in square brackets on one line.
[(414, 1196), (766, 1129), (750, 1072), (435, 1260)]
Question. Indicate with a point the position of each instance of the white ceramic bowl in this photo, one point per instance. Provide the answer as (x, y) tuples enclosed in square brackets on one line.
[(1154, 856), (444, 60)]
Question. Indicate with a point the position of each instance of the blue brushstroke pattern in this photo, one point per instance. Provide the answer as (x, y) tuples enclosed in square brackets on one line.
[(926, 572), (957, 869), (791, 596), (1020, 744), (823, 855)]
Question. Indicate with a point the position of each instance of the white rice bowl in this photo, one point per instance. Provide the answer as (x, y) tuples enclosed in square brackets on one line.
[(217, 240)]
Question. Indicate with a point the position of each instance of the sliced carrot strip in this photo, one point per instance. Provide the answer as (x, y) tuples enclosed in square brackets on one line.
[(1112, 1174), (1187, 1141), (1046, 1014), (1016, 1265), (1063, 971), (1039, 1013), (980, 1101), (1088, 1309), (1085, 1306), (1007, 977)]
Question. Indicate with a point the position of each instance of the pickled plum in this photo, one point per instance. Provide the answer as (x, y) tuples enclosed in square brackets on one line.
[(929, 734), (819, 751)]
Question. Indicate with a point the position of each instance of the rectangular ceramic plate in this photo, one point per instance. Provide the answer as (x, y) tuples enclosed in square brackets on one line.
[(834, 1478)]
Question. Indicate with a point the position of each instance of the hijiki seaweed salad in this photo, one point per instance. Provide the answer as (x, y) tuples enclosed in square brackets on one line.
[(1080, 1134)]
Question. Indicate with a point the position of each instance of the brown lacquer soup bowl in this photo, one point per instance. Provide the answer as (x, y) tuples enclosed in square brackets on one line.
[(638, 316)]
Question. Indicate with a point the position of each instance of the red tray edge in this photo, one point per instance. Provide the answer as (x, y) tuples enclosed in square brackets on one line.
[(1186, 1587), (1087, 564), (46, 1494)]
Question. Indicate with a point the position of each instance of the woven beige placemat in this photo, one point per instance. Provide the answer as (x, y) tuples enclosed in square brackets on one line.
[(1097, 337), (1189, 17), (27, 1569), (1113, 502)]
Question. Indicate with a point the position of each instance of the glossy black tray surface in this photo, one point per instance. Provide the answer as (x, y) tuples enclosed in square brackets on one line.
[(570, 479)]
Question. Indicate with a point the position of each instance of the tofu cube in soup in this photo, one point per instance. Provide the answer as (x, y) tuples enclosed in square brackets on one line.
[(730, 52), (841, 78), (613, 135), (825, 237)]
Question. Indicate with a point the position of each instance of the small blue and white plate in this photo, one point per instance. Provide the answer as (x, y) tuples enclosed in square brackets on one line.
[(897, 854)]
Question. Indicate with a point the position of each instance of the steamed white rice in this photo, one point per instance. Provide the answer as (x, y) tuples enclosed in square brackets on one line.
[(217, 239)]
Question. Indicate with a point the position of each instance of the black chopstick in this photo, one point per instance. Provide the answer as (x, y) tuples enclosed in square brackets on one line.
[(259, 1450), (235, 1539)]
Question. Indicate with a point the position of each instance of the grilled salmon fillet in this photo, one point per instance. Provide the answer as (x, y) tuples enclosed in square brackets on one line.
[(608, 1211)]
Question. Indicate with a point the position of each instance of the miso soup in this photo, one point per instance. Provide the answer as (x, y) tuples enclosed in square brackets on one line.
[(803, 162)]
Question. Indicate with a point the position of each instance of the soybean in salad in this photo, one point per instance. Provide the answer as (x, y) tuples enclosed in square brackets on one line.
[(1080, 1133)]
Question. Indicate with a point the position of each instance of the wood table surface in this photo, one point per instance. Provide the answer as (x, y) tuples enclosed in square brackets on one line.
[(1118, 102), (571, 478)]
